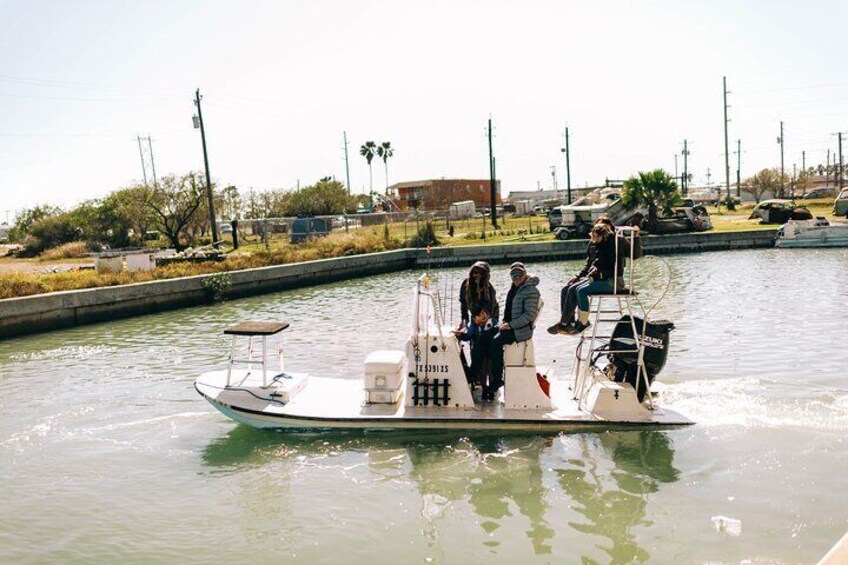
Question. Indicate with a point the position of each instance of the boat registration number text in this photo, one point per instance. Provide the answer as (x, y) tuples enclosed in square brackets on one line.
[(431, 368)]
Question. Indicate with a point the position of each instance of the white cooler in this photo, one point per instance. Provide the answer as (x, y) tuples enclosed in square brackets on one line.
[(384, 377)]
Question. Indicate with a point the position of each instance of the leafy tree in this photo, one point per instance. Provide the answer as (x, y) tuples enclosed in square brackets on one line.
[(322, 198), (230, 204), (175, 202), (767, 180), (28, 217), (384, 151), (99, 222), (132, 203), (655, 190), (369, 151), (49, 232)]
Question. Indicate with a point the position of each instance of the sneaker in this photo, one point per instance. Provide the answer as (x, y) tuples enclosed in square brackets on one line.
[(565, 329), (557, 329), (578, 328)]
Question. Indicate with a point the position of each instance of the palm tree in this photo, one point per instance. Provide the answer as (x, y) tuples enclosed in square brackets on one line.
[(369, 150), (655, 190), (384, 151)]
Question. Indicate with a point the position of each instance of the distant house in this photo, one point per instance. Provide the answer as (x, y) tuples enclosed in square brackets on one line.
[(4, 233), (438, 194)]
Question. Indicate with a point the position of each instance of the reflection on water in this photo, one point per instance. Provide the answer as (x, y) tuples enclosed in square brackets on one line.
[(607, 479), (613, 499)]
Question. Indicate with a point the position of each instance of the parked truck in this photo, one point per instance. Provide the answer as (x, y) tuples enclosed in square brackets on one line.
[(523, 207), (576, 219), (462, 210)]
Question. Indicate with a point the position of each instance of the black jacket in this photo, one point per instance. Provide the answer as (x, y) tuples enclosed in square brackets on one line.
[(605, 257)]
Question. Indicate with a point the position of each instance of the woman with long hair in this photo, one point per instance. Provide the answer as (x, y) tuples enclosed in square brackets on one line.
[(476, 292)]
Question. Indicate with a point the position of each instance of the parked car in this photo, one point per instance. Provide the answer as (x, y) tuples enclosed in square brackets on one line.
[(840, 206), (685, 219), (821, 192), (779, 211)]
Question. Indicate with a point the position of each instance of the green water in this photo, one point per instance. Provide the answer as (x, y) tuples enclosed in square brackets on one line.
[(107, 454)]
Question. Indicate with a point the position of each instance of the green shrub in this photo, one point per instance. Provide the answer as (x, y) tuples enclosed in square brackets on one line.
[(49, 232), (216, 286)]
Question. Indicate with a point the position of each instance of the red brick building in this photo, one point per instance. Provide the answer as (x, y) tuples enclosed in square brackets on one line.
[(438, 194)]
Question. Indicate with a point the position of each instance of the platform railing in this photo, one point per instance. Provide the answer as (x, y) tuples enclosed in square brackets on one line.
[(599, 343)]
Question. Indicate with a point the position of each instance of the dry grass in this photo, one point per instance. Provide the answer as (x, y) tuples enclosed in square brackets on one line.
[(72, 250), (334, 245)]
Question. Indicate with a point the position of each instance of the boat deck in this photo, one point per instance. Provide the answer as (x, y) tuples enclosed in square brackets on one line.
[(340, 403)]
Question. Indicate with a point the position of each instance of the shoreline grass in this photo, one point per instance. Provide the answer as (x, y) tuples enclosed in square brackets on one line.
[(339, 244)]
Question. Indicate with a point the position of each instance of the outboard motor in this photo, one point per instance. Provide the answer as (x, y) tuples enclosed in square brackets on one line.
[(623, 355)]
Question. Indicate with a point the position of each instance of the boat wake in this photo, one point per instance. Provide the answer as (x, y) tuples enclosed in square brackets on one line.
[(758, 403)]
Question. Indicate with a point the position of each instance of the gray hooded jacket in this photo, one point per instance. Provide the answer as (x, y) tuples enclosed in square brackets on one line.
[(525, 308)]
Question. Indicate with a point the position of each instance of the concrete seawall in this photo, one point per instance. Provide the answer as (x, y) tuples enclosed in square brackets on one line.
[(576, 249), (57, 310)]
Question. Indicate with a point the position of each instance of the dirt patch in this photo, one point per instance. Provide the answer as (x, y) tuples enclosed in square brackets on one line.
[(9, 266)]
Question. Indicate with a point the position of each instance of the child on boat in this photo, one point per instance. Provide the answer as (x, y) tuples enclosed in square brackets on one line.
[(479, 332)]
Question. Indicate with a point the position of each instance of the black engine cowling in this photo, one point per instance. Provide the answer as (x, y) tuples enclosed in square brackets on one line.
[(623, 356)]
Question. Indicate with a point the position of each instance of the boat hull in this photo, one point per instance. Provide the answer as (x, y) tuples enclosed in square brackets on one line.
[(814, 237), (338, 404)]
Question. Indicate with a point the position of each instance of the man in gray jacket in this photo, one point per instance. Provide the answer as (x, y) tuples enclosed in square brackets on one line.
[(520, 311)]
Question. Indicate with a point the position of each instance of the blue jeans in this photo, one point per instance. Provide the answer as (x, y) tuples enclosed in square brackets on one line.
[(591, 287), (568, 301), (503, 338)]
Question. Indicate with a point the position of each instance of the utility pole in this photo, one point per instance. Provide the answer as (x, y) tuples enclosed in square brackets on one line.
[(199, 124), (782, 175), (803, 160), (146, 153), (492, 181), (347, 165), (676, 174), (567, 165), (827, 170), (839, 169), (554, 181), (141, 154), (739, 168), (685, 167), (726, 151), (794, 177)]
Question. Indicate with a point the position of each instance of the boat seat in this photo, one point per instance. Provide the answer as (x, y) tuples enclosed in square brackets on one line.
[(257, 328), (520, 354)]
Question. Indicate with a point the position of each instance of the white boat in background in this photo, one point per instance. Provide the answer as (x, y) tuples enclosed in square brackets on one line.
[(812, 233), (425, 387)]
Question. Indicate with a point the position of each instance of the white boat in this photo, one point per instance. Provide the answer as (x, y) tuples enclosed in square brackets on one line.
[(812, 233), (425, 387)]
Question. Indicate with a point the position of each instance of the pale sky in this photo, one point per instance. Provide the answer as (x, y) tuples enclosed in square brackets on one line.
[(282, 80)]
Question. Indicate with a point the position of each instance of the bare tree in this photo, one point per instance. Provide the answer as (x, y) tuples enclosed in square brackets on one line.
[(767, 180), (175, 202)]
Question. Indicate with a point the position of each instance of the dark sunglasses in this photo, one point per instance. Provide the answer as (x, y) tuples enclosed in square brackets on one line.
[(516, 274)]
